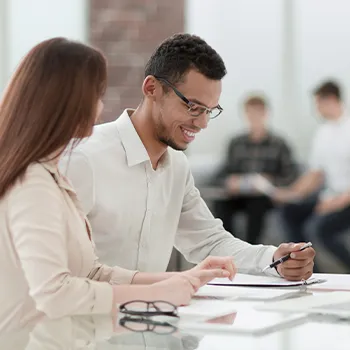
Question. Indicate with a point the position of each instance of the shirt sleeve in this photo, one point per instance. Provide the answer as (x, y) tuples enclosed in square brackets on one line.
[(230, 165), (36, 218), (78, 169), (200, 235), (112, 275)]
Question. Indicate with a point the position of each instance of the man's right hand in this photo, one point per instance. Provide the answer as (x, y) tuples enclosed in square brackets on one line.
[(233, 184)]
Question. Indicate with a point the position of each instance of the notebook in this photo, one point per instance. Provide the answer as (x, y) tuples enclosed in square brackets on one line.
[(242, 280)]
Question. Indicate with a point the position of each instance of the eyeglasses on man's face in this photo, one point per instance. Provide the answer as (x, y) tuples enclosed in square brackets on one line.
[(194, 109)]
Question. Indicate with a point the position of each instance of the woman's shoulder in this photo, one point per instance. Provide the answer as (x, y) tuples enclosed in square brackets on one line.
[(37, 176)]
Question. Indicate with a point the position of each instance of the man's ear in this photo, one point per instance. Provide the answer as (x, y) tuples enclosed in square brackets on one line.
[(151, 87)]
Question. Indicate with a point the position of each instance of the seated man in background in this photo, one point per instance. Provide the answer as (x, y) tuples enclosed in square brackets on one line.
[(327, 212), (256, 151)]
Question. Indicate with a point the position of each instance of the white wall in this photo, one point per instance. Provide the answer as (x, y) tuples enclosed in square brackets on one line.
[(250, 45), (323, 34), (283, 47), (25, 23)]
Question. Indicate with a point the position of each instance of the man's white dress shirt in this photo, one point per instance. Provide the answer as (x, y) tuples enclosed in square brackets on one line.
[(138, 214), (331, 155)]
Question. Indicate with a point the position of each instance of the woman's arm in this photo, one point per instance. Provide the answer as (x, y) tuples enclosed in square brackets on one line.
[(37, 225)]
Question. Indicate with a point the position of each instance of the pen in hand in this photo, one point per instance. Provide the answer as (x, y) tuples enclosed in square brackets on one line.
[(285, 257)]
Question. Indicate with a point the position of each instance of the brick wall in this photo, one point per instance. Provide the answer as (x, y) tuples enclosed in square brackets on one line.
[(128, 31)]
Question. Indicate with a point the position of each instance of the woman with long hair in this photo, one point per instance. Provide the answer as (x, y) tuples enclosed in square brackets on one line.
[(47, 255)]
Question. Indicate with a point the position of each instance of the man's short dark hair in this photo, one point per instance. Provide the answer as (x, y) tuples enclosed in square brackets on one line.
[(256, 101), (180, 53), (328, 89)]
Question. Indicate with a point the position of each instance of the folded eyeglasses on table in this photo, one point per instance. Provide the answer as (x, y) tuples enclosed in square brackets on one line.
[(141, 316)]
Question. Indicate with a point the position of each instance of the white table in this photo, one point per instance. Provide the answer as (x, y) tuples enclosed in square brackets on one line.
[(97, 333)]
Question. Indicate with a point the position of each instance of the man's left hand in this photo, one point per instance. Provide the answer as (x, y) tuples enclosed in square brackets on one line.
[(331, 205), (299, 266)]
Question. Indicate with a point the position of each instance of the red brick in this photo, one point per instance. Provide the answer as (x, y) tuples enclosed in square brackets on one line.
[(128, 31)]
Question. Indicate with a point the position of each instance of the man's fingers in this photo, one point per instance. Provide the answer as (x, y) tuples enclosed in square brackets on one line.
[(297, 274), (306, 254), (286, 248), (295, 264), (294, 249)]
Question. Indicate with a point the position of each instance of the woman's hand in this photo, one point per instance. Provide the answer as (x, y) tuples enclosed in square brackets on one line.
[(213, 267)]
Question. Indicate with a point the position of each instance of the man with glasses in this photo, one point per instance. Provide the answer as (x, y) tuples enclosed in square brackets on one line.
[(135, 184)]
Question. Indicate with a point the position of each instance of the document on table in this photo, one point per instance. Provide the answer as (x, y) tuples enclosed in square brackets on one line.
[(249, 294), (207, 309), (242, 280), (335, 282), (332, 303)]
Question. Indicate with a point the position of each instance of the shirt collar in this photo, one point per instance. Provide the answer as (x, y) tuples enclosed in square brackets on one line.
[(61, 180), (135, 151), (339, 121), (266, 137)]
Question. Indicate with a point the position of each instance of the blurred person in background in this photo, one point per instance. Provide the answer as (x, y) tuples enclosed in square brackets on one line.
[(47, 254), (135, 182), (322, 195), (257, 151)]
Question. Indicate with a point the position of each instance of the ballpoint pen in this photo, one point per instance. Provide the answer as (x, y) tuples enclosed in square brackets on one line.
[(286, 257)]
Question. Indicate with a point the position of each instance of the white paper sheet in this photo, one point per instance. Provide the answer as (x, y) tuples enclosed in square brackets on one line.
[(327, 303), (335, 282), (260, 281), (207, 308), (239, 293)]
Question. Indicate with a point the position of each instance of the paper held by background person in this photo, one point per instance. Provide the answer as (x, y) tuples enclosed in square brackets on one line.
[(243, 280), (257, 182)]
